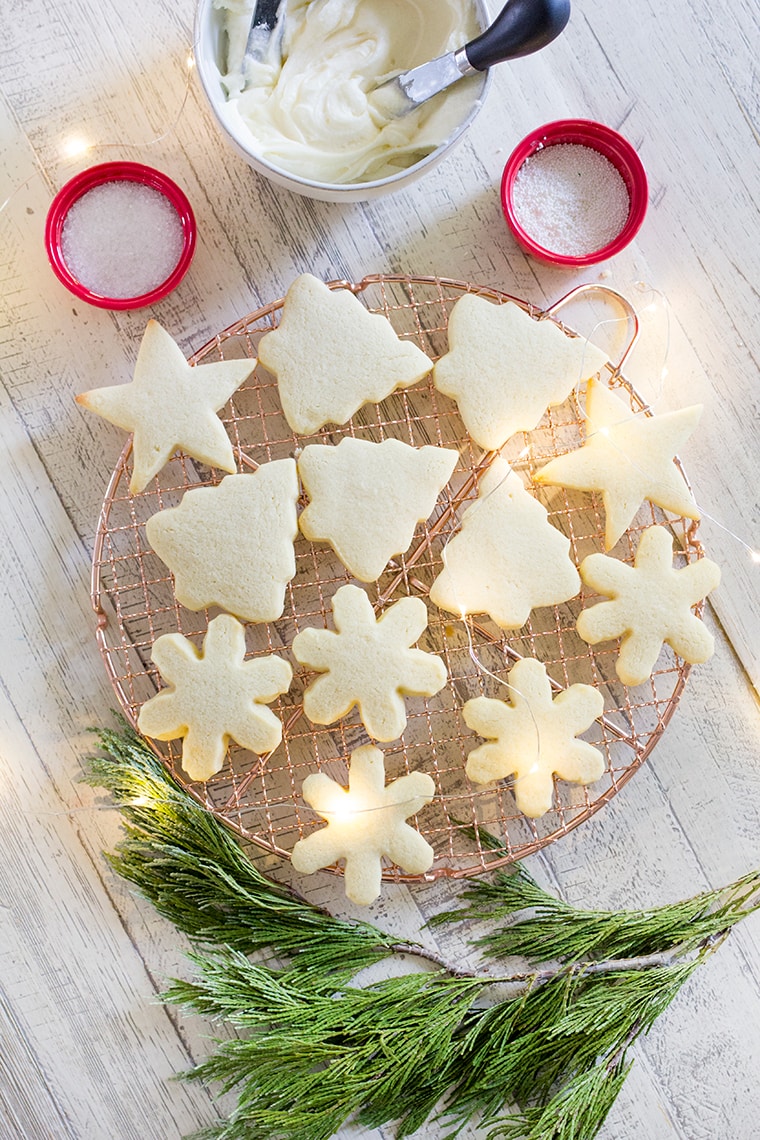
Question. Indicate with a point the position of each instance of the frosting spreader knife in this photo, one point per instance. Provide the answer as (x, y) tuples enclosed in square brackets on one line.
[(261, 33), (521, 28)]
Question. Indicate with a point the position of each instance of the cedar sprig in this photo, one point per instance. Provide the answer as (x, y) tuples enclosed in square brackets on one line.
[(549, 929), (315, 1048)]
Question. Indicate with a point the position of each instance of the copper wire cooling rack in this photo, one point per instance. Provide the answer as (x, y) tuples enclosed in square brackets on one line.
[(260, 798)]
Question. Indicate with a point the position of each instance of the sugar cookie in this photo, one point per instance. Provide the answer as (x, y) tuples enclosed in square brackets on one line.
[(651, 604), (367, 498), (213, 696), (532, 737), (366, 822), (504, 368), (331, 355), (232, 545), (170, 406), (507, 557), (368, 663), (629, 458)]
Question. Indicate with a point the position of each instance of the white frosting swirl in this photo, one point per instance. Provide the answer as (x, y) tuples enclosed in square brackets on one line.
[(312, 113)]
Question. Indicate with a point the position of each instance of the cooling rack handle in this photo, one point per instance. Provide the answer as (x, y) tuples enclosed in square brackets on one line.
[(625, 304)]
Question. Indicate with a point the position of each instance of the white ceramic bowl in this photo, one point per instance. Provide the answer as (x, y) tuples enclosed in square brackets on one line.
[(208, 57)]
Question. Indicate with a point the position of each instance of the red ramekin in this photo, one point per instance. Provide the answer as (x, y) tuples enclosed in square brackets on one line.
[(118, 172), (607, 142)]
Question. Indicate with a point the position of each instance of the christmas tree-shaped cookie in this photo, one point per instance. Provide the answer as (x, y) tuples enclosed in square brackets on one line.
[(214, 696), (504, 368), (629, 458), (365, 822), (369, 663), (651, 604), (367, 498), (170, 406), (507, 558), (532, 736), (232, 545), (331, 355)]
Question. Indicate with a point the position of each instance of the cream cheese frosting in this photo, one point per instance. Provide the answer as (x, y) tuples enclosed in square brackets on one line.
[(310, 109)]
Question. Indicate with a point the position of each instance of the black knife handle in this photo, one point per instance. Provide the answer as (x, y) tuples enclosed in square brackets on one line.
[(522, 27), (265, 13)]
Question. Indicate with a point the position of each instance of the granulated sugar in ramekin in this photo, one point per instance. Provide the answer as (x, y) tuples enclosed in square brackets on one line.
[(570, 199)]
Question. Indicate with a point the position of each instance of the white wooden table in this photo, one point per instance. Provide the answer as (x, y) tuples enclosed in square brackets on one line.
[(86, 1051)]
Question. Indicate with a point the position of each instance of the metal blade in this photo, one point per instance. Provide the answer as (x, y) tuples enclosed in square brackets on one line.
[(407, 91)]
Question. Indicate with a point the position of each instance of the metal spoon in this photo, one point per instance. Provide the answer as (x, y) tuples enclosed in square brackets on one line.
[(522, 27), (263, 24)]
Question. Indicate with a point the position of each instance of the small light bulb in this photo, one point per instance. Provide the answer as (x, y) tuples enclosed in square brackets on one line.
[(190, 62), (341, 814), (756, 555), (141, 801), (604, 431), (74, 146)]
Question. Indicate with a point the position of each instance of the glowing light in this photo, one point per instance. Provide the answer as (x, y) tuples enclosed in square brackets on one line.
[(141, 801), (75, 146), (756, 555), (190, 62), (342, 814), (604, 431)]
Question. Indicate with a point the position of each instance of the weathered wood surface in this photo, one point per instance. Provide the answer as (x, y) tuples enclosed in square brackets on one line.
[(85, 1049)]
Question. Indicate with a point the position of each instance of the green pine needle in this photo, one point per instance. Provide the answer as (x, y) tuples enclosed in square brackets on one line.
[(555, 931), (576, 1112), (314, 1049)]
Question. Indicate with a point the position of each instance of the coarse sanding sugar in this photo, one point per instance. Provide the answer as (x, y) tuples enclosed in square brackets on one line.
[(570, 199), (122, 239)]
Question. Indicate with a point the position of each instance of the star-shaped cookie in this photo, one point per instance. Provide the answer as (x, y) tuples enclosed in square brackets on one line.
[(170, 406), (365, 822), (213, 696), (629, 458), (331, 355), (367, 498), (533, 737), (368, 663), (651, 604), (232, 545), (504, 368), (507, 558)]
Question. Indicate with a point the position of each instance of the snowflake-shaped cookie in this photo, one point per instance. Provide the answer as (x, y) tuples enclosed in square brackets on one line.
[(366, 822), (213, 696), (367, 498), (331, 355), (171, 406), (629, 458), (232, 545), (652, 604), (368, 663), (504, 368), (507, 557), (533, 737)]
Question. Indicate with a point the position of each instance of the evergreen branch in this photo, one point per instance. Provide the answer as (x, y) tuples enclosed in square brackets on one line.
[(316, 1049), (556, 931), (314, 1056)]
